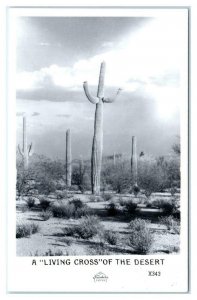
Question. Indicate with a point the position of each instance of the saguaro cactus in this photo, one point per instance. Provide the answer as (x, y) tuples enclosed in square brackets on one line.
[(97, 145), (68, 159), (114, 158), (26, 151), (134, 161)]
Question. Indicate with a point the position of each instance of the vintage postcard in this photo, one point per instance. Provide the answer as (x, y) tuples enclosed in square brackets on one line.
[(98, 150)]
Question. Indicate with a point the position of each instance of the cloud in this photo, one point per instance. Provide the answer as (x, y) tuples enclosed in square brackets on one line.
[(35, 114), (51, 93), (63, 115), (44, 44), (146, 57)]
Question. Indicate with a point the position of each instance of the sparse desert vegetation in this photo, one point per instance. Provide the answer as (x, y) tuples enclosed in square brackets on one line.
[(105, 204), (70, 221)]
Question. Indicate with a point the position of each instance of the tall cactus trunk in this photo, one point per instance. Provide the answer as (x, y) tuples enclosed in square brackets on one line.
[(25, 149), (134, 161), (97, 145), (97, 149), (114, 158), (68, 159)]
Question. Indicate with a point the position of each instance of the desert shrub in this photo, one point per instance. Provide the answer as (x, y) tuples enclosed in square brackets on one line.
[(34, 228), (140, 237), (81, 176), (112, 209), (63, 210), (148, 204), (169, 207), (171, 223), (77, 203), (51, 253), (30, 202), (121, 201), (45, 215), (71, 231), (26, 229), (174, 249), (44, 203), (107, 196), (151, 175), (46, 186), (94, 198), (111, 237), (89, 226), (73, 209), (129, 206), (61, 194), (117, 176), (135, 190), (98, 250)]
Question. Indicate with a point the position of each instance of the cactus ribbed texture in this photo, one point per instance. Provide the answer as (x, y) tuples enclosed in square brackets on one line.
[(97, 145), (26, 151), (134, 161), (68, 159)]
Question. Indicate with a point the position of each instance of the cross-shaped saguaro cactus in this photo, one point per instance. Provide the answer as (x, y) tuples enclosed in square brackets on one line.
[(97, 145), (26, 151)]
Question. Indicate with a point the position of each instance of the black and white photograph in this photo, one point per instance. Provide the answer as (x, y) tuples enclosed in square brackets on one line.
[(98, 135), (100, 124)]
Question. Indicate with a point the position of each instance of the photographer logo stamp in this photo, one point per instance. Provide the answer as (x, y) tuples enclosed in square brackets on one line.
[(100, 277)]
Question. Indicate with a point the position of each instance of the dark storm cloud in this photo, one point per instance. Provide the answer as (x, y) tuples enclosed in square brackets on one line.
[(64, 40)]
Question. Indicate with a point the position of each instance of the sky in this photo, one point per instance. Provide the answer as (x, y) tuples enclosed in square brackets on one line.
[(143, 56)]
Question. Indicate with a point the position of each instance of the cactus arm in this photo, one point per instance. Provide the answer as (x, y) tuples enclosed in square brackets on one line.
[(20, 151), (92, 99), (30, 149), (111, 100)]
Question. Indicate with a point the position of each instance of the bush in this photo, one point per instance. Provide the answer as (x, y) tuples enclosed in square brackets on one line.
[(168, 206), (171, 223), (130, 206), (26, 229), (140, 237), (117, 176), (151, 176), (30, 202), (51, 253), (61, 194), (112, 209), (63, 210), (45, 185), (44, 203), (77, 203), (135, 190), (45, 215), (88, 227), (107, 197), (110, 237), (94, 198), (73, 209), (98, 250)]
